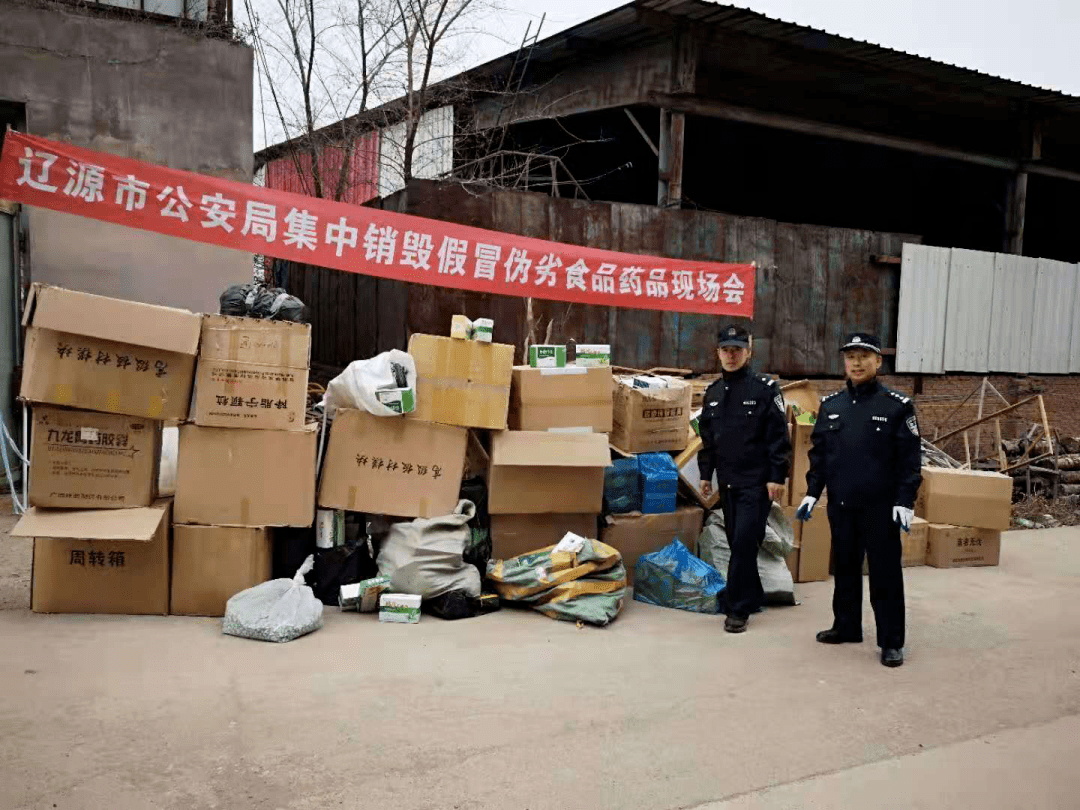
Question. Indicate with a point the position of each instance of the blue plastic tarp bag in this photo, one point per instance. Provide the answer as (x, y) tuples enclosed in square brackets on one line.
[(674, 578), (659, 483), (622, 486)]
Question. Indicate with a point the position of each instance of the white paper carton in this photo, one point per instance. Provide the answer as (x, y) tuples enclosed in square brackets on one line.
[(399, 607)]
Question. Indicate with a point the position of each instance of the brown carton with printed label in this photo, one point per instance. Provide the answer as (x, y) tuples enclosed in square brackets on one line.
[(651, 420), (88, 460), (99, 560), (392, 465), (252, 374), (105, 354)]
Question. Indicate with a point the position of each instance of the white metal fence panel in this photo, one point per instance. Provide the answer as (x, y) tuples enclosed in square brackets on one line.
[(1051, 336), (967, 321), (1012, 313), (433, 150), (920, 325), (1074, 353)]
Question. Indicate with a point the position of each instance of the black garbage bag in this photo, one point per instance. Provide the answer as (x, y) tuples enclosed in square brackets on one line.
[(452, 605), (291, 547), (256, 300), (343, 565), (478, 548)]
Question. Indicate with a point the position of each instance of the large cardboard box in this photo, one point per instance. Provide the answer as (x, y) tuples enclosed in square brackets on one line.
[(210, 564), (965, 498), (800, 461), (651, 420), (514, 535), (635, 534), (962, 547), (461, 382), (815, 548), (99, 560), (561, 398), (535, 473), (88, 460), (252, 373), (103, 354), (228, 477), (390, 465)]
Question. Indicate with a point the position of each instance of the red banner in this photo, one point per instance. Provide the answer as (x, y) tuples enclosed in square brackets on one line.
[(356, 239)]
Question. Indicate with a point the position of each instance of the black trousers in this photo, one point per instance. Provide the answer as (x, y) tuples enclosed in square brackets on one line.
[(746, 511), (868, 530)]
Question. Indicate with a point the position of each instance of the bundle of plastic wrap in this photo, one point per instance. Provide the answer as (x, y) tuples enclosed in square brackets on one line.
[(255, 300)]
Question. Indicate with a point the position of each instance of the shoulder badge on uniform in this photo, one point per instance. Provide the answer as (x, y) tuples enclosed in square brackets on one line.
[(769, 381), (830, 396), (779, 400), (901, 397), (912, 425)]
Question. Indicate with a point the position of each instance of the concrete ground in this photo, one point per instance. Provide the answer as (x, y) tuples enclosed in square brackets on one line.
[(514, 710)]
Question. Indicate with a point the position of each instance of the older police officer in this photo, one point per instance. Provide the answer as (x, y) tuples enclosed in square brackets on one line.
[(866, 451), (745, 442)]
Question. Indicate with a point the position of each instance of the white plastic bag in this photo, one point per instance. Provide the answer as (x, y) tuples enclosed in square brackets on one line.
[(355, 387), (278, 610), (776, 579), (424, 556)]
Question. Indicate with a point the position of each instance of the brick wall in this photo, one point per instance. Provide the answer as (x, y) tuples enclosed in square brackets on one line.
[(937, 404)]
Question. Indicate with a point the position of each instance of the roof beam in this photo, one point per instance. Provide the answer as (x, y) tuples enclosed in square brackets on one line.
[(747, 115)]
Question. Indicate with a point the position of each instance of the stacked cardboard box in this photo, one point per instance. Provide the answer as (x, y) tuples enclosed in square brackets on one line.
[(102, 374), (967, 510), (246, 460)]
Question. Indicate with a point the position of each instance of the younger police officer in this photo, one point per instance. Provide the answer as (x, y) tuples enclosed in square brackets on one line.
[(866, 451), (745, 442)]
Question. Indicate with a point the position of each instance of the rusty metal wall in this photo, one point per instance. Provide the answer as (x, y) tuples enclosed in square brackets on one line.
[(813, 284)]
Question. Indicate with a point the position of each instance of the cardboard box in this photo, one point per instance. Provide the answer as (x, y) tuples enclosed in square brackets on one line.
[(401, 608), (649, 420), (690, 475), (252, 373), (634, 535), (210, 564), (103, 354), (461, 382), (533, 473), (571, 397), (592, 354), (514, 535), (815, 548), (388, 465), (88, 460), (229, 477), (547, 356), (99, 560), (915, 543), (962, 547), (965, 498), (800, 461)]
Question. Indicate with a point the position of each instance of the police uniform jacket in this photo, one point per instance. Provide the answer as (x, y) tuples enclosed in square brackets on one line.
[(744, 431), (865, 448)]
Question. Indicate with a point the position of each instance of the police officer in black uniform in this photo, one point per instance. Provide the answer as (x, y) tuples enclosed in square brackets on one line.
[(745, 442), (865, 450)]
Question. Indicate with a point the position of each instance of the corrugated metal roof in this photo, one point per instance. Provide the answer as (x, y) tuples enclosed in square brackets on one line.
[(1012, 313), (920, 325), (1051, 337), (971, 296), (750, 22)]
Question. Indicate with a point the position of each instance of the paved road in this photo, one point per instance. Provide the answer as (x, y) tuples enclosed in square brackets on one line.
[(513, 710)]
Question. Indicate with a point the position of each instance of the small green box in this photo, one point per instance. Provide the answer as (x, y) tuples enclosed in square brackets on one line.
[(547, 356), (400, 400)]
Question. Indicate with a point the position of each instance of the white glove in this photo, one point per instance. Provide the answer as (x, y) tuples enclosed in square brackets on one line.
[(805, 508), (903, 516)]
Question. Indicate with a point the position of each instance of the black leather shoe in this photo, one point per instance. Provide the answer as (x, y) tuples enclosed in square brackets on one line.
[(892, 657), (834, 636), (735, 624)]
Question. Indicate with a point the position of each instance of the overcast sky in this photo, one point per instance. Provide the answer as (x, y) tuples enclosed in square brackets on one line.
[(1031, 41)]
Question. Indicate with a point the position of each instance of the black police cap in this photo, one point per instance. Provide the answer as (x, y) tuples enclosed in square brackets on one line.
[(734, 336), (862, 340)]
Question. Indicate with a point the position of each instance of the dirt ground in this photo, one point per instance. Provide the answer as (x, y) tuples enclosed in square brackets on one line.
[(514, 710)]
